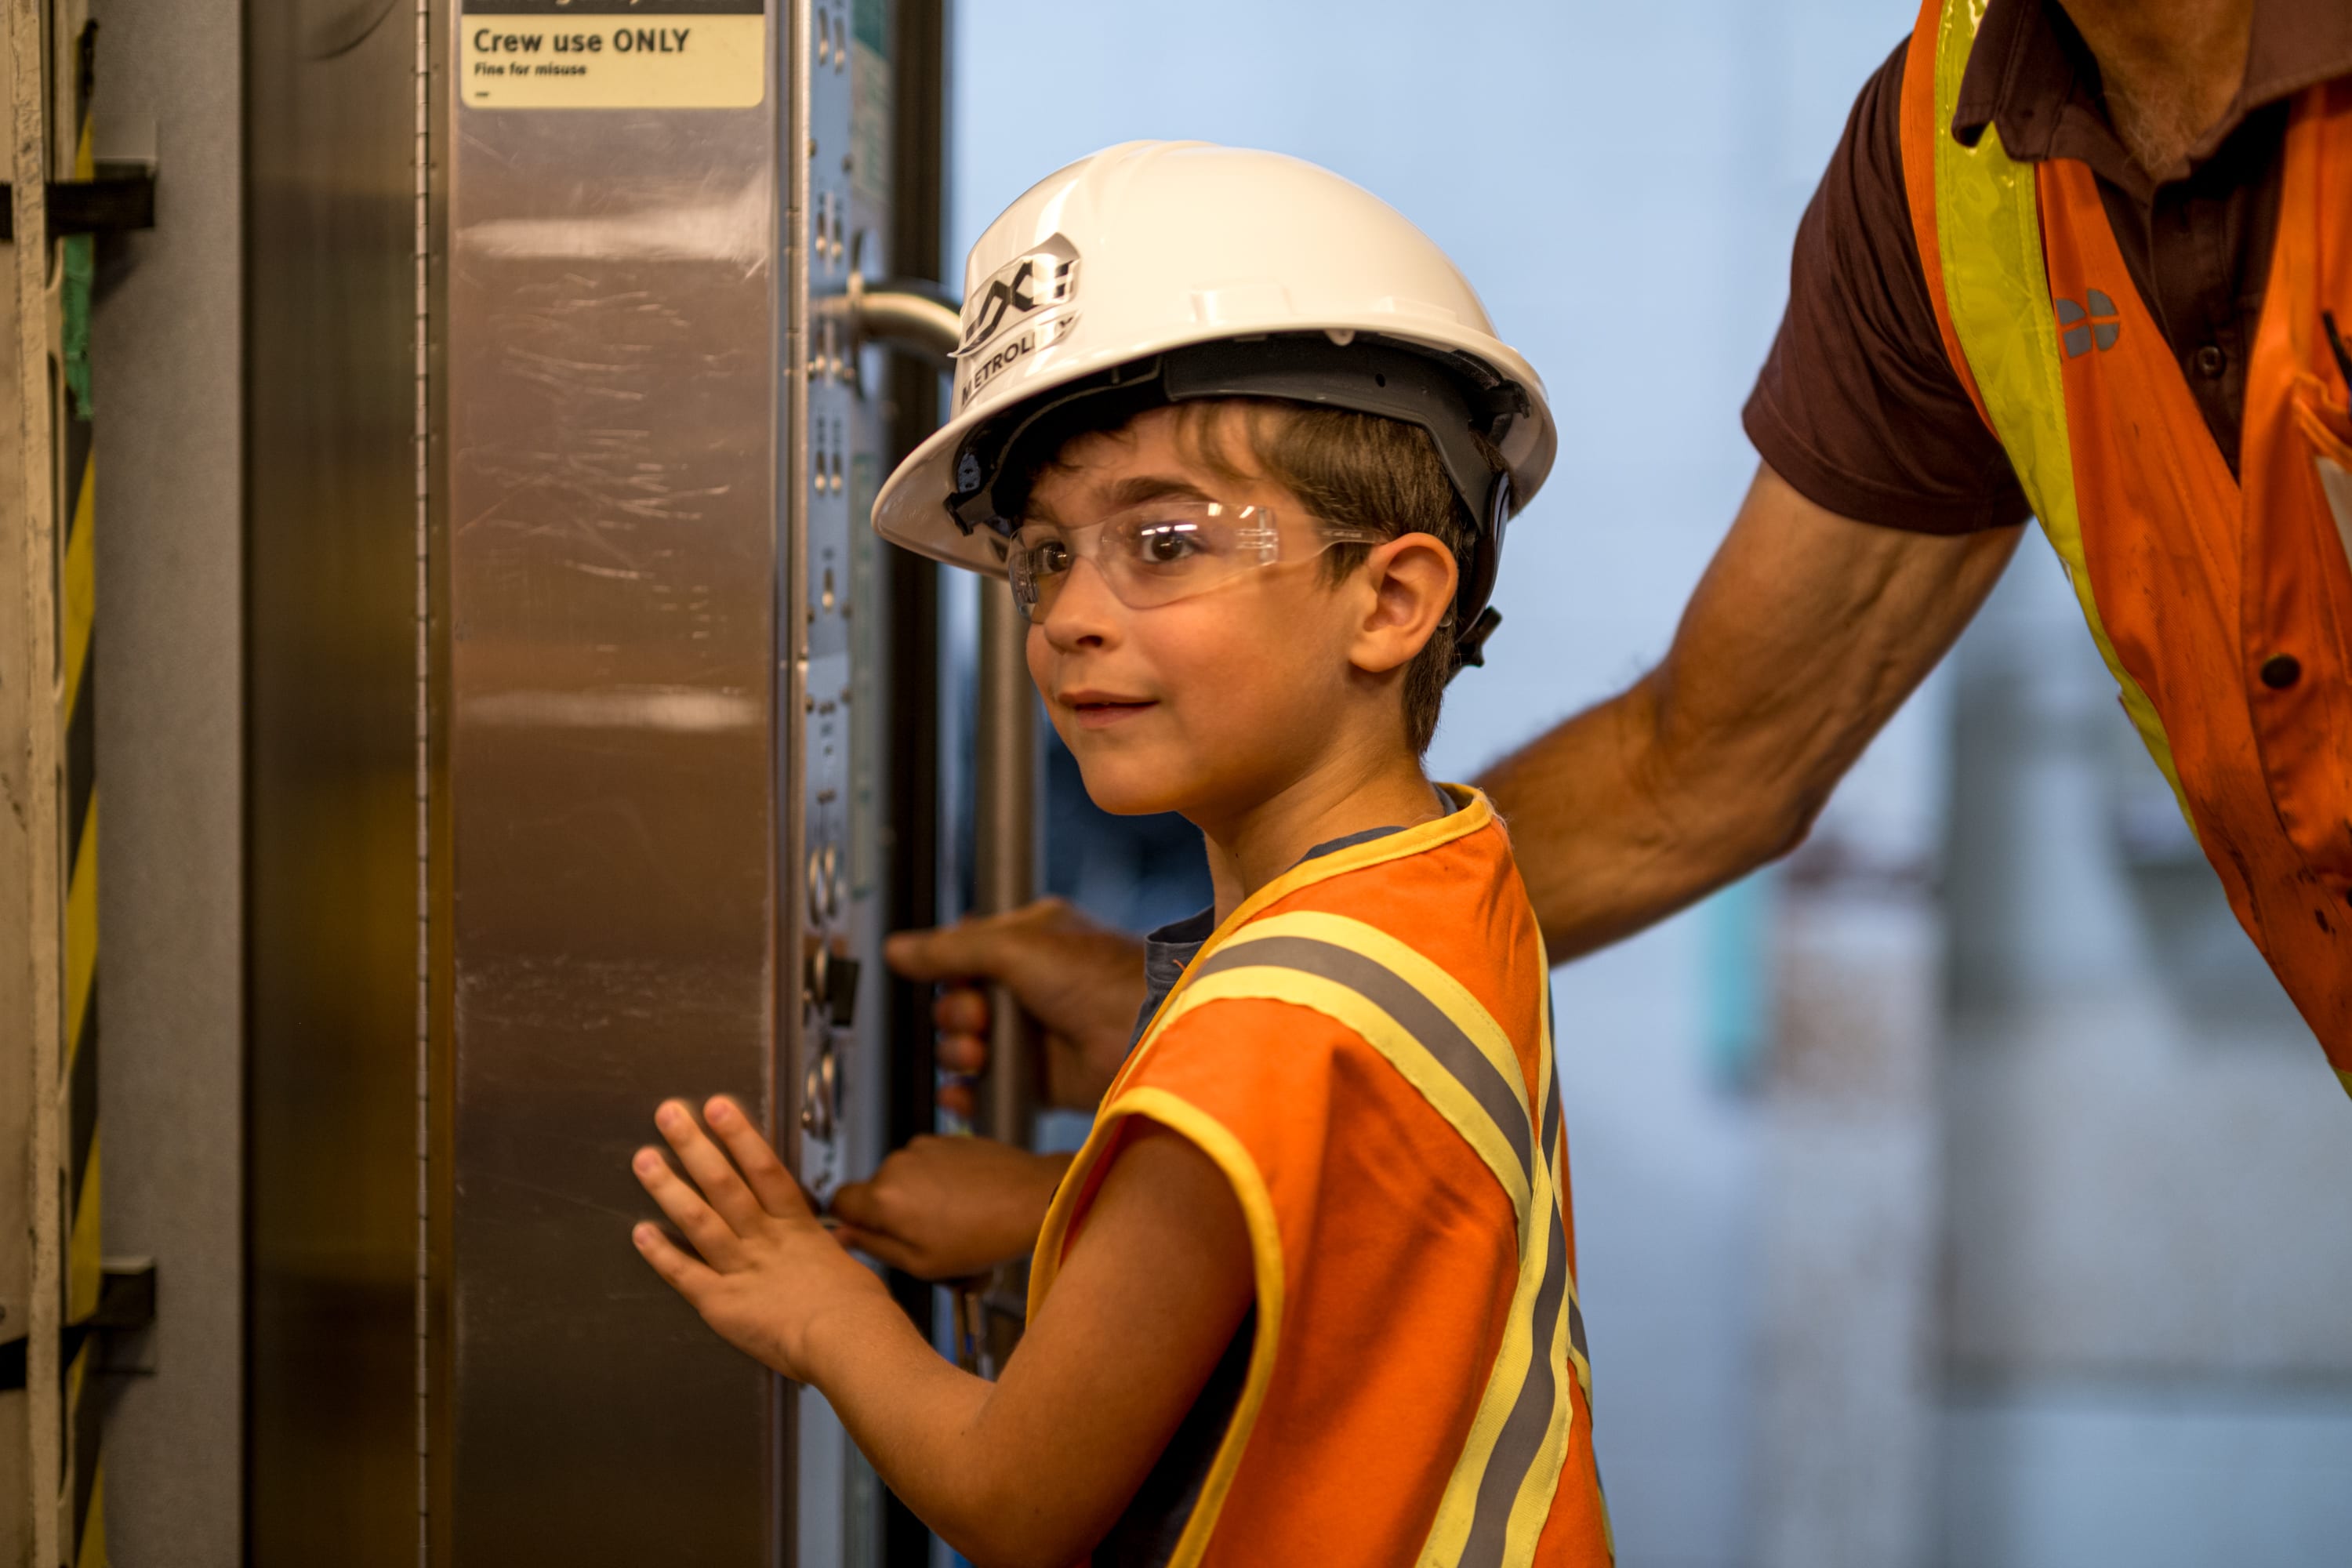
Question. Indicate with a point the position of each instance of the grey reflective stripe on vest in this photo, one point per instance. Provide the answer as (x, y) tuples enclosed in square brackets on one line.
[(1389, 991), (1521, 1440), (1523, 1433)]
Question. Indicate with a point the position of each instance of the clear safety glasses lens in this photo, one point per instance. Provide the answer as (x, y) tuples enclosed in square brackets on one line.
[(1157, 555)]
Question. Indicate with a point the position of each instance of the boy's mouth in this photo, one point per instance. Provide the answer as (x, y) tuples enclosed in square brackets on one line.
[(1095, 710)]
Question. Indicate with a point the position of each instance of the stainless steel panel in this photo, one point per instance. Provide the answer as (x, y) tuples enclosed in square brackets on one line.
[(569, 680), (332, 890), (617, 929)]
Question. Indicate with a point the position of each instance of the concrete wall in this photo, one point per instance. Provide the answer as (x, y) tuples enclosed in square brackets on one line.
[(165, 349)]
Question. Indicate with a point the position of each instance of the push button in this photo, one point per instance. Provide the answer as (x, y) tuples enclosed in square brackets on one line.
[(841, 993), (2212, 361), (2281, 670)]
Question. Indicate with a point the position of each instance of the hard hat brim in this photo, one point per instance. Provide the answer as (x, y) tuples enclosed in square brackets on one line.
[(912, 508)]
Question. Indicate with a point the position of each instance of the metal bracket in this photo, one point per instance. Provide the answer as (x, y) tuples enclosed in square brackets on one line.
[(126, 1304), (121, 199)]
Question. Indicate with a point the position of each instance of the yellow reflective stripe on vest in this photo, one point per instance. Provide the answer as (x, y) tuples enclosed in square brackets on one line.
[(1462, 1054), (1427, 1025), (1996, 285)]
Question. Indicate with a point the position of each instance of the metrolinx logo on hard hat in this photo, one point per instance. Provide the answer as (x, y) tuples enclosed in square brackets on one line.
[(1030, 288)]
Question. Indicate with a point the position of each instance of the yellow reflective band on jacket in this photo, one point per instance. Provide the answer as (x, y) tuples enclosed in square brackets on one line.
[(1997, 287), (1428, 1026)]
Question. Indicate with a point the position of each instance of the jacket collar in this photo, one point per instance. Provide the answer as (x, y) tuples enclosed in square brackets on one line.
[(2030, 76)]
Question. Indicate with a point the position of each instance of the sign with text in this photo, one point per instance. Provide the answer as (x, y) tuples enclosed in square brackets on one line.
[(613, 53)]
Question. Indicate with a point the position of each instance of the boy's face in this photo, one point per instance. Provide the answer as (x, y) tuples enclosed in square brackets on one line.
[(1207, 704)]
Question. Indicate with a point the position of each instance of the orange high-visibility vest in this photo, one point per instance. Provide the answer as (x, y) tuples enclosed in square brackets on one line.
[(2222, 605), (1364, 1049)]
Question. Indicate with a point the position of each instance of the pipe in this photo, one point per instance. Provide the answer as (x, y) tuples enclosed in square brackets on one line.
[(920, 317), (911, 313), (1004, 869)]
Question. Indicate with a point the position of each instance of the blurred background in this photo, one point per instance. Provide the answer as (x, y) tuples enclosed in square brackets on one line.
[(1961, 1193), (1964, 1191)]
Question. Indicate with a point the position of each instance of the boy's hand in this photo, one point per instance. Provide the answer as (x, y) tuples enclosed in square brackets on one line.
[(768, 1274), (1080, 980), (944, 1208)]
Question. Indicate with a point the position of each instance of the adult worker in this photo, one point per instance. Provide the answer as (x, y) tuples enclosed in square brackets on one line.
[(2084, 261)]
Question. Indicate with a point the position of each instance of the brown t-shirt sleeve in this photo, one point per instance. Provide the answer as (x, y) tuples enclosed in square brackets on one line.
[(1857, 407)]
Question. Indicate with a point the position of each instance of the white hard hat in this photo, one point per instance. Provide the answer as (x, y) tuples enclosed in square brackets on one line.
[(1160, 271)]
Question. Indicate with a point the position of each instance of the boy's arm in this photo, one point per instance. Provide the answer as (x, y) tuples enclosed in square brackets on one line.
[(1034, 1468)]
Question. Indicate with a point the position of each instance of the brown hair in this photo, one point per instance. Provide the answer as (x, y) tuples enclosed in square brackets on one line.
[(1359, 469)]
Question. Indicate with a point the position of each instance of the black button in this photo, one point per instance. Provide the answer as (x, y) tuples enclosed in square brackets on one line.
[(2281, 670), (841, 992), (2210, 359)]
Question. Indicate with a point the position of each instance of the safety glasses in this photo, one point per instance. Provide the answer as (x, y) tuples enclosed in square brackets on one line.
[(1161, 552)]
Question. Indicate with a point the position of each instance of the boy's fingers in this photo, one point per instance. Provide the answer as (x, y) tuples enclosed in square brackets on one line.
[(775, 1188), (689, 1276), (712, 1236), (709, 1167)]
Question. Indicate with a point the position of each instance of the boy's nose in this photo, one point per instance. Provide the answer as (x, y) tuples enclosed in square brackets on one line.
[(1081, 611)]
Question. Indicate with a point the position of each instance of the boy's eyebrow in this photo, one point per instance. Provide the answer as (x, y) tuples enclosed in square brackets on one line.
[(1138, 489), (1134, 490), (1142, 488)]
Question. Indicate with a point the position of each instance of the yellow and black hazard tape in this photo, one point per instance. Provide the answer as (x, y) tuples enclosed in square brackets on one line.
[(83, 1472)]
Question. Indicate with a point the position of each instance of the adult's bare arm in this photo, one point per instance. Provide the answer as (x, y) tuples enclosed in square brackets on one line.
[(1804, 636)]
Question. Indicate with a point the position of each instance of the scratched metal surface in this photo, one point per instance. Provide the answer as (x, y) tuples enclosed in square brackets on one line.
[(613, 561)]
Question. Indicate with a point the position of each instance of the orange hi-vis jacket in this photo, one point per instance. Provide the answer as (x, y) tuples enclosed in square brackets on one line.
[(2222, 604), (1363, 1048)]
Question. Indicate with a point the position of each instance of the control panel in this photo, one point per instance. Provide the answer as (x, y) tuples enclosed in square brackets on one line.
[(836, 227)]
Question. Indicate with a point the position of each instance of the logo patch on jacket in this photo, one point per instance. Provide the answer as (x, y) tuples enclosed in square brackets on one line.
[(2078, 329)]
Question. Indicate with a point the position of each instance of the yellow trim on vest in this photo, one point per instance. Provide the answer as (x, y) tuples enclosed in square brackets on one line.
[(1535, 1192), (1533, 1506), (1997, 285), (1353, 1010), (1513, 1361), (2345, 1079), (1471, 813), (1212, 1138), (1443, 992), (1541, 1484)]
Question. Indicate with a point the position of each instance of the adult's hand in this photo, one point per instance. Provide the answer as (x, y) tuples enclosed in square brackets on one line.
[(1080, 981), (946, 1208)]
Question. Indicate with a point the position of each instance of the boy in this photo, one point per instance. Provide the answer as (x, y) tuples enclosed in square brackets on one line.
[(1306, 1295)]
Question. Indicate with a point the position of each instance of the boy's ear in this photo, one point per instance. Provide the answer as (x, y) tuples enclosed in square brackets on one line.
[(1412, 579)]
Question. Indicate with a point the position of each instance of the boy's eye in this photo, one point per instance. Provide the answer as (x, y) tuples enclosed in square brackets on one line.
[(1166, 543), (1050, 558)]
